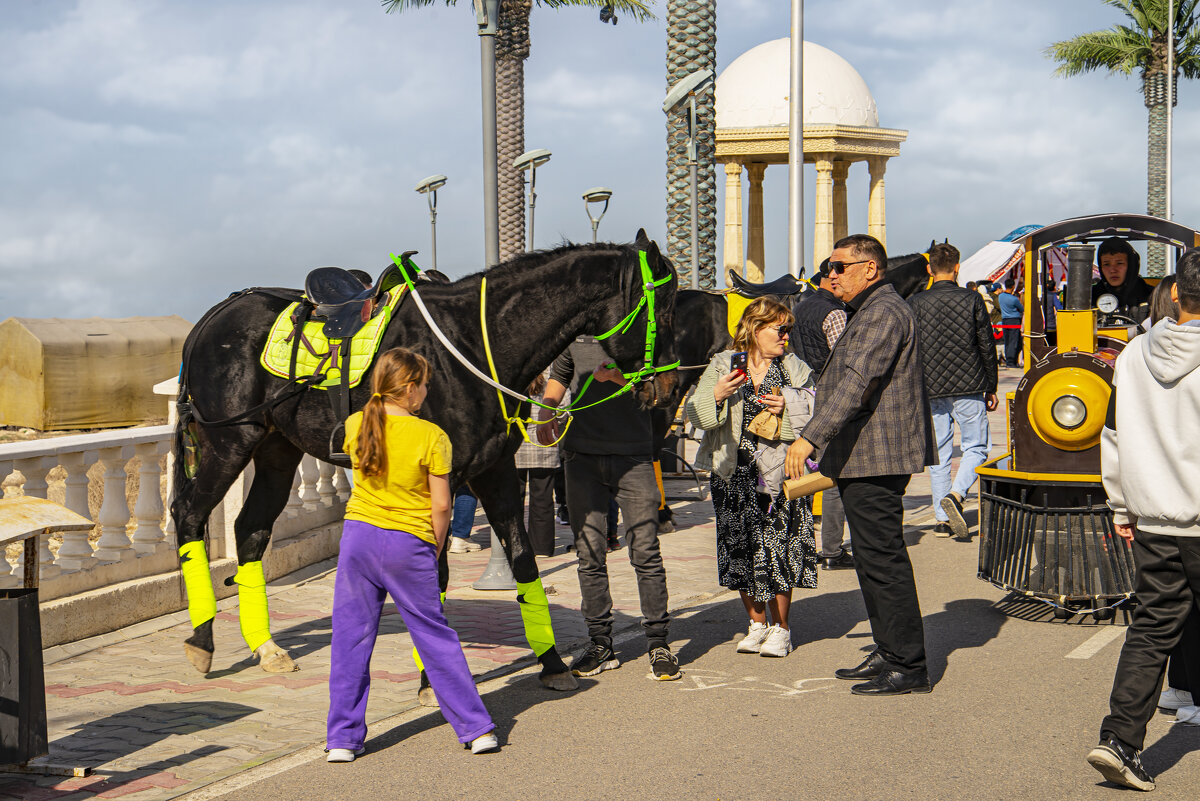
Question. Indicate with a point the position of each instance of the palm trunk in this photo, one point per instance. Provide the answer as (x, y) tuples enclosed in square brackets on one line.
[(691, 46), (512, 48), (1154, 88)]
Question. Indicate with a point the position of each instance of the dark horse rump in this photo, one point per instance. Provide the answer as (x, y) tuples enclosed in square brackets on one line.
[(535, 306)]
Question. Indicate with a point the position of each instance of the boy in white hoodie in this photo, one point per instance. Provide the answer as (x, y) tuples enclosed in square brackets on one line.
[(1150, 464)]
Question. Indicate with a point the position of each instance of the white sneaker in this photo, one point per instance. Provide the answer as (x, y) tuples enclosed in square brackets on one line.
[(460, 545), (485, 743), (1174, 699), (752, 642), (343, 754), (1188, 714), (777, 643)]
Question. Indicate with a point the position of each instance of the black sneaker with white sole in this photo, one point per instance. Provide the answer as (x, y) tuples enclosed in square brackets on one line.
[(664, 666), (952, 506), (596, 658), (1120, 763)]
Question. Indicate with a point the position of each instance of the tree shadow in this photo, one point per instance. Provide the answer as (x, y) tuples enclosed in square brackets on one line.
[(119, 736)]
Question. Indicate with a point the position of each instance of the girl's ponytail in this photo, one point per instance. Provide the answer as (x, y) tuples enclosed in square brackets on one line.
[(397, 372)]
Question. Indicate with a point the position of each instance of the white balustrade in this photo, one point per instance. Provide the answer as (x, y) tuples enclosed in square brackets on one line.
[(292, 510), (309, 472), (35, 486), (325, 488), (114, 544), (341, 483), (148, 510), (75, 553)]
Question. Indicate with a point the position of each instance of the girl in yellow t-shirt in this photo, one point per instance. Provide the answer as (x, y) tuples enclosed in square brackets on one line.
[(396, 523)]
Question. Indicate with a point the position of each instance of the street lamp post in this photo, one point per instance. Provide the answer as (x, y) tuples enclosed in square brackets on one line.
[(684, 92), (796, 144), (429, 187), (597, 194), (531, 160), (487, 17)]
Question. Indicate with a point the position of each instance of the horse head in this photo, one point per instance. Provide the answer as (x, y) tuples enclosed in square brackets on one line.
[(637, 346)]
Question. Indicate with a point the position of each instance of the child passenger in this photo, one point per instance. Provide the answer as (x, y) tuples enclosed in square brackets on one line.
[(396, 523)]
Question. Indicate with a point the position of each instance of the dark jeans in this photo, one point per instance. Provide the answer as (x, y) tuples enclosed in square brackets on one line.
[(591, 481), (1183, 668), (1167, 583), (875, 511), (541, 507), (1012, 341)]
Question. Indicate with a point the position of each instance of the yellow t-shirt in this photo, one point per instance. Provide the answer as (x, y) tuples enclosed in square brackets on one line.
[(399, 499)]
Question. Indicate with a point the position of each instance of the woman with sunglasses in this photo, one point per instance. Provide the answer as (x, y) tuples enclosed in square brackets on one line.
[(765, 543)]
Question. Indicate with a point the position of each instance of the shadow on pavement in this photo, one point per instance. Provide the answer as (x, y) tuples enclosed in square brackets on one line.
[(966, 623), (1181, 740)]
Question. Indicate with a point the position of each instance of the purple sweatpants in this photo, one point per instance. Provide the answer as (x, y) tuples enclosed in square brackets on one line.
[(373, 561)]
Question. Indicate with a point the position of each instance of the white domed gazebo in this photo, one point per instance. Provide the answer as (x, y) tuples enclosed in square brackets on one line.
[(841, 126)]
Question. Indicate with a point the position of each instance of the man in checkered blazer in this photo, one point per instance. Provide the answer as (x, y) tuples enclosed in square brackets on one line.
[(872, 428)]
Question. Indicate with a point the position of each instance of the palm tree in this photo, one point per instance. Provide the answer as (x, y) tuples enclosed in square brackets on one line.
[(692, 46), (512, 48), (1142, 45)]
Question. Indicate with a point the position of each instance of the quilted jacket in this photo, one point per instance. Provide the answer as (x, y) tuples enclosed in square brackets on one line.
[(872, 413), (958, 353)]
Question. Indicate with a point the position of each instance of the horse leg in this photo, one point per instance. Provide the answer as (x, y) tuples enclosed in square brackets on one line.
[(498, 490), (226, 454), (275, 463)]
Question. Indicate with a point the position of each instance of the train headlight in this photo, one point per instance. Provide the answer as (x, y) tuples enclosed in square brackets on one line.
[(1069, 412)]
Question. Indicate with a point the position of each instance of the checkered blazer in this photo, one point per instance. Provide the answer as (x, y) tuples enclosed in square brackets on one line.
[(872, 412)]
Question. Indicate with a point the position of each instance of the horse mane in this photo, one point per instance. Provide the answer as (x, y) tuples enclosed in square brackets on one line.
[(522, 262)]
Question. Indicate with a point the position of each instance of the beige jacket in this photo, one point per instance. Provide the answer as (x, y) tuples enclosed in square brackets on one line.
[(722, 423)]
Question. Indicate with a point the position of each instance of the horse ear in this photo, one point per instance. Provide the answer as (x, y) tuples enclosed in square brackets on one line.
[(641, 240), (932, 242), (659, 266)]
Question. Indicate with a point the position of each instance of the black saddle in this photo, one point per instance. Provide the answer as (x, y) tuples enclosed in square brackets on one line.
[(782, 286), (344, 300)]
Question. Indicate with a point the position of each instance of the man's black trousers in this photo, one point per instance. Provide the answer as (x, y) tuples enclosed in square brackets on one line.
[(1166, 584), (875, 511)]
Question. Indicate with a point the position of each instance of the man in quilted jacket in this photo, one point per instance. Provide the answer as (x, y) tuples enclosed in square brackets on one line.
[(959, 361)]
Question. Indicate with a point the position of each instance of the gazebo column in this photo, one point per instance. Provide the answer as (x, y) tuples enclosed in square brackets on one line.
[(756, 262), (840, 226), (876, 206), (733, 219), (823, 214)]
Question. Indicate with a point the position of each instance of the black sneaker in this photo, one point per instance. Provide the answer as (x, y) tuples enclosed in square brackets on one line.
[(596, 658), (663, 664), (952, 506), (614, 542), (1120, 763), (562, 516), (942, 530)]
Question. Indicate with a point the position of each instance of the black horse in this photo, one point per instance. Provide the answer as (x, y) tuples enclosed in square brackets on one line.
[(702, 331), (536, 305)]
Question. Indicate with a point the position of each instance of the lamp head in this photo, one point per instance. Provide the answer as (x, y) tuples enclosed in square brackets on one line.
[(531, 158), (696, 81), (431, 184), (597, 194)]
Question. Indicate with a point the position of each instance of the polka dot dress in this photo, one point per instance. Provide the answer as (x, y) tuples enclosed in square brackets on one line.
[(763, 549)]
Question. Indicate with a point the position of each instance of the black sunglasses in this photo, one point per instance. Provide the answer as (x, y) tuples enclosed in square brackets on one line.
[(782, 330), (839, 267)]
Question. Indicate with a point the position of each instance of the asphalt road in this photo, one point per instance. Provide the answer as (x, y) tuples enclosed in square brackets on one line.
[(1016, 706)]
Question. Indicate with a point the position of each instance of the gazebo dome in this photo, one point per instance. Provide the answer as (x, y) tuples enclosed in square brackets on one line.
[(753, 91)]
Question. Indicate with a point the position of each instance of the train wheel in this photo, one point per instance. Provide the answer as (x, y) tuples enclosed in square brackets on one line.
[(1103, 614), (1062, 613)]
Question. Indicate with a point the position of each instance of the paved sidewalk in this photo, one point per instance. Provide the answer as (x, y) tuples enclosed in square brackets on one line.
[(129, 705)]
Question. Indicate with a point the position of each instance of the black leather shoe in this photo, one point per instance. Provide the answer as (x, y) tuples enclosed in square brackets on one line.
[(895, 682), (871, 667), (842, 561), (1120, 763)]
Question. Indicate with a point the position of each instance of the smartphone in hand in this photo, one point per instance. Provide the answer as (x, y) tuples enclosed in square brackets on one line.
[(739, 361)]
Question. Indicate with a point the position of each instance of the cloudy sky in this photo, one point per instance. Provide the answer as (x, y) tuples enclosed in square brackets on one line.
[(155, 155)]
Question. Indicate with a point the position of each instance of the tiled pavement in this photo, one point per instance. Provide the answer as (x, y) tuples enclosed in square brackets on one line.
[(129, 705)]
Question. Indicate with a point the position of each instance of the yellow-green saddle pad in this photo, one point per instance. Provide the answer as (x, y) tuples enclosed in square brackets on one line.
[(316, 351), (735, 306)]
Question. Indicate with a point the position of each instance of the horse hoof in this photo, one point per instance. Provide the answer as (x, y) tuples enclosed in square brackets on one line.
[(201, 660), (560, 682), (274, 659), (665, 527), (426, 697)]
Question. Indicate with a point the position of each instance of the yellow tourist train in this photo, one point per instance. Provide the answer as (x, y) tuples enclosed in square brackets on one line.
[(1046, 532)]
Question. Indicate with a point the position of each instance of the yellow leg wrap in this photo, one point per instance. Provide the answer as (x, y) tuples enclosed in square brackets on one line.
[(252, 604), (202, 601), (535, 614), (416, 656), (662, 493)]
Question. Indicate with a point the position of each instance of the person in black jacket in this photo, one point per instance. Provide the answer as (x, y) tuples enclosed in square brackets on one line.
[(1119, 277), (959, 361), (820, 320)]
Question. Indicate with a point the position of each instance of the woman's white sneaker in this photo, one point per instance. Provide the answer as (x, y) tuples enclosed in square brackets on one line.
[(752, 642), (462, 545), (343, 754), (484, 743), (1174, 699), (777, 643)]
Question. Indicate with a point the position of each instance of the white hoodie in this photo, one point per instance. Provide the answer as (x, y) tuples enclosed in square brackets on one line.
[(1150, 446)]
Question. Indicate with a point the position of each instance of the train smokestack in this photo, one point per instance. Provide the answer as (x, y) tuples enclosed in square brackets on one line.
[(1079, 277)]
